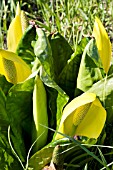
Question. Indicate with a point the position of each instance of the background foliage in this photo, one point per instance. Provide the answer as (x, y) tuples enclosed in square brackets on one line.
[(73, 19), (69, 24)]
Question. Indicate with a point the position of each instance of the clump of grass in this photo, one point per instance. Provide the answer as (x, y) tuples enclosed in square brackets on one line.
[(7, 11), (73, 19)]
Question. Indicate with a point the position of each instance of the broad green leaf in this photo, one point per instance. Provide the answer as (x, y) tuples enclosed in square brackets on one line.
[(42, 50), (61, 53), (67, 79), (79, 117), (104, 90), (57, 99), (44, 156), (4, 84), (72, 153), (13, 67), (103, 44), (19, 111), (89, 70), (7, 158), (16, 29), (25, 49), (41, 158)]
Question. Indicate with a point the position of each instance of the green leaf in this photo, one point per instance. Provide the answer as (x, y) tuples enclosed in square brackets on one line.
[(25, 49), (57, 98), (7, 158), (44, 156), (4, 84), (42, 50), (41, 158), (19, 111), (68, 76), (104, 90), (89, 71), (61, 53)]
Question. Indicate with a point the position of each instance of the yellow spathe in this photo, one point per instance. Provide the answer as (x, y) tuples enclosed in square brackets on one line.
[(13, 67), (83, 116), (103, 44), (16, 29), (14, 34)]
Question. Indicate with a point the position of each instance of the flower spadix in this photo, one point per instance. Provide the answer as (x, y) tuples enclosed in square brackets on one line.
[(83, 116), (103, 44), (11, 65)]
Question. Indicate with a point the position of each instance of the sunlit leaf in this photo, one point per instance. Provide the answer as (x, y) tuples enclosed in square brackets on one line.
[(106, 99), (83, 116), (90, 70), (13, 67), (57, 98), (25, 49), (44, 156), (103, 44)]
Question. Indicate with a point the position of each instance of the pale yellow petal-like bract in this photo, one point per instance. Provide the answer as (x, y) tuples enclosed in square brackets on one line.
[(13, 67), (16, 29), (103, 44), (93, 123), (14, 34), (66, 124), (83, 116)]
